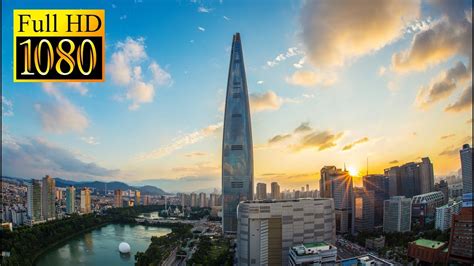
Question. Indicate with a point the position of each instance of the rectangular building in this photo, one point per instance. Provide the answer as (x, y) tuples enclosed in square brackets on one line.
[(445, 213), (34, 200), (397, 214), (424, 205), (316, 253), (261, 191), (268, 229), (428, 251), (466, 168), (364, 206), (48, 198), (70, 200), (85, 200), (118, 201), (461, 237)]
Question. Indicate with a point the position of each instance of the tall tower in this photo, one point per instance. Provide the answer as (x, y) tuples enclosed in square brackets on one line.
[(48, 198), (34, 200), (237, 149), (70, 199), (466, 168), (85, 200)]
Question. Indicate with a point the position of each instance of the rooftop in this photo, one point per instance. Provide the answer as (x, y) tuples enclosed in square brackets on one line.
[(429, 243), (315, 245), (311, 249)]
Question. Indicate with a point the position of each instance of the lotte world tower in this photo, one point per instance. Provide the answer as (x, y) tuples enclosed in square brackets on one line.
[(237, 151)]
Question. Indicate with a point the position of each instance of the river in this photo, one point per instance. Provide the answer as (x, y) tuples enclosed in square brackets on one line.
[(100, 246)]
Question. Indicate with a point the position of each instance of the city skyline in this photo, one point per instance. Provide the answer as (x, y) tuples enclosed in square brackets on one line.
[(311, 106)]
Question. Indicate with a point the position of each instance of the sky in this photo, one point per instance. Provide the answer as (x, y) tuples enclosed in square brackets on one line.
[(330, 83)]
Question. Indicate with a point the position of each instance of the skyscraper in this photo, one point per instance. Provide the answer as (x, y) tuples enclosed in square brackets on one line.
[(85, 200), (194, 200), (118, 202), (202, 200), (137, 197), (397, 214), (34, 200), (48, 198), (466, 168), (394, 183), (275, 191), (364, 201), (70, 199), (237, 149), (426, 176), (261, 191), (337, 184), (377, 184)]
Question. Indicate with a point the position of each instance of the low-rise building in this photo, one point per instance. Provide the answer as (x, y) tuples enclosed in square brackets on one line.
[(316, 253), (428, 251), (365, 260), (424, 205), (375, 243)]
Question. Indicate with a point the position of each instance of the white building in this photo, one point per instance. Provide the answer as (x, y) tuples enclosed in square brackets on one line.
[(455, 190), (268, 229), (312, 254), (445, 213), (397, 214)]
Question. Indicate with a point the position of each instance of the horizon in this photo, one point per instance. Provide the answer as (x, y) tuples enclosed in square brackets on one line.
[(314, 100)]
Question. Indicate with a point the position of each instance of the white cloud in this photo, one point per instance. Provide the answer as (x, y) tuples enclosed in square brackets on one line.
[(201, 29), (307, 78), (382, 71), (60, 115), (123, 17), (90, 140), (126, 67), (335, 32), (7, 107), (203, 9), (226, 18), (181, 142), (260, 82), (264, 101), (290, 52)]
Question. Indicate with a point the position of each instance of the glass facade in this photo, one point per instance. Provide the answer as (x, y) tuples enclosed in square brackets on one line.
[(237, 151)]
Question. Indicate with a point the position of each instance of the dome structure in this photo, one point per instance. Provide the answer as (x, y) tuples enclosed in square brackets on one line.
[(124, 247)]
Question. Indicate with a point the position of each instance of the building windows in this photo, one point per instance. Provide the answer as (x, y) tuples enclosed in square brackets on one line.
[(237, 147)]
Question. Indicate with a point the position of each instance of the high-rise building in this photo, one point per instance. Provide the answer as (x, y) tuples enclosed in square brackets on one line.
[(275, 191), (193, 200), (118, 201), (261, 191), (410, 179), (268, 229), (202, 200), (444, 214), (461, 237), (48, 198), (443, 187), (394, 186), (466, 168), (377, 184), (137, 197), (70, 199), (85, 200), (337, 184), (146, 200), (426, 175), (237, 149), (212, 200), (34, 200), (364, 206), (397, 214)]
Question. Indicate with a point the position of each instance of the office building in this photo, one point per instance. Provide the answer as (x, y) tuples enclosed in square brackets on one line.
[(146, 200), (394, 180), (375, 243), (426, 176), (276, 191), (445, 213), (317, 253), (237, 148), (365, 260), (466, 168), (261, 191), (428, 251), (455, 190), (118, 201), (379, 184), (48, 198), (397, 214), (85, 200), (194, 202), (202, 200), (213, 200), (268, 229), (461, 237), (138, 196), (337, 184), (70, 200), (364, 202), (34, 200), (443, 187), (424, 205)]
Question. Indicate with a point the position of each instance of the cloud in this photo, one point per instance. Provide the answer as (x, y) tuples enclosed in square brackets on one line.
[(260, 82), (37, 157), (226, 18), (382, 71), (201, 29), (351, 145), (303, 127), (447, 136), (307, 78), (320, 140), (201, 168), (75, 86), (290, 52), (449, 36), (185, 184), (7, 107), (123, 17), (442, 86), (463, 103), (450, 152), (264, 101), (393, 162), (195, 154), (279, 138), (126, 69), (90, 140), (203, 9), (60, 115), (181, 142), (337, 31)]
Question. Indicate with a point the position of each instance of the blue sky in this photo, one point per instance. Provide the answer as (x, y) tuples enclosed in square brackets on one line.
[(157, 118)]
